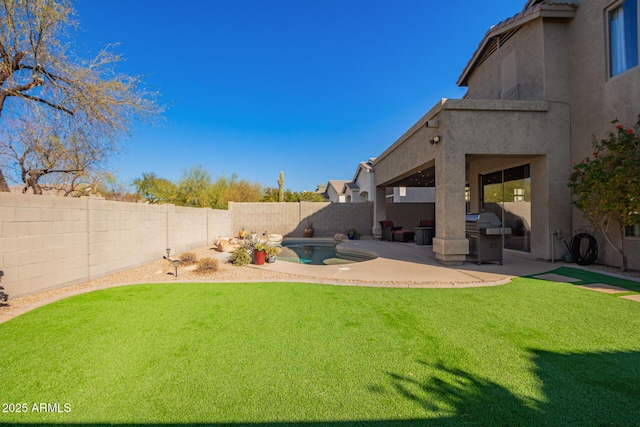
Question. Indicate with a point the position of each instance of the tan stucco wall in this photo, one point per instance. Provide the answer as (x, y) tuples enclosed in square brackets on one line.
[(538, 131), (486, 82), (556, 70), (597, 99), (541, 136), (560, 60), (566, 61), (409, 153)]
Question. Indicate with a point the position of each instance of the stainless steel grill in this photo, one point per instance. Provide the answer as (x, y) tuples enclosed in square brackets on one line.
[(485, 232)]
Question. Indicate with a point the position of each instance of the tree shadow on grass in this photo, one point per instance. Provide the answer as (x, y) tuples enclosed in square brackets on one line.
[(454, 397), (576, 389)]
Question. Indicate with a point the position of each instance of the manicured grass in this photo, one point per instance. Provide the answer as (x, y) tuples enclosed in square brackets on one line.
[(527, 353)]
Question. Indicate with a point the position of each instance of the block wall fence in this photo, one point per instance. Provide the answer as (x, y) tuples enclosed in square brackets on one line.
[(290, 218), (48, 242)]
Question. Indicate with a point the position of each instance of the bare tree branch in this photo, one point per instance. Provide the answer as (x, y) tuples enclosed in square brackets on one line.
[(54, 88)]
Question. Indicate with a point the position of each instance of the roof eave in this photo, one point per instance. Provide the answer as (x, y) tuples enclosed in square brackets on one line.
[(363, 166), (564, 10)]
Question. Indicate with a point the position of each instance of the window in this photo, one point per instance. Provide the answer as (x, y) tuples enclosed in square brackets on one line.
[(623, 37)]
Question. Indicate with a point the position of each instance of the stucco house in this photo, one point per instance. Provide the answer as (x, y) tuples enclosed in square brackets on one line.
[(362, 187), (539, 86), (334, 191)]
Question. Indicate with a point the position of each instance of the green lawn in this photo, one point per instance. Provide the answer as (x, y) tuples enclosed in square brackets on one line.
[(527, 353)]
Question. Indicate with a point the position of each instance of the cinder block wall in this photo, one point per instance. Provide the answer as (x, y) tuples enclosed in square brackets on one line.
[(44, 242), (290, 218), (48, 242), (409, 215)]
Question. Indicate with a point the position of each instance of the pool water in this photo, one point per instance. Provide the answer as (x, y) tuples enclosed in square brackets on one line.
[(318, 254)]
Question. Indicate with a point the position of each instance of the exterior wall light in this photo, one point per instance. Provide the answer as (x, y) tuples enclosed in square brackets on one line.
[(434, 140)]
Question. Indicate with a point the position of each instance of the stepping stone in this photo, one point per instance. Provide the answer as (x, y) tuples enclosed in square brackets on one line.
[(557, 278), (635, 298), (602, 287)]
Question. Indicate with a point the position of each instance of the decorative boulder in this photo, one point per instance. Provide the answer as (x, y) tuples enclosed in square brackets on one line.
[(228, 245), (275, 238)]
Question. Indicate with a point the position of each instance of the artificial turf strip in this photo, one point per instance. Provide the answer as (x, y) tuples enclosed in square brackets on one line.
[(530, 352), (588, 277)]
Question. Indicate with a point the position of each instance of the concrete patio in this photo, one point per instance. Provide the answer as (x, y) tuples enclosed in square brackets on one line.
[(410, 265)]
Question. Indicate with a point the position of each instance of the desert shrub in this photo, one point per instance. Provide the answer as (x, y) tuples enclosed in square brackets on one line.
[(188, 258), (240, 257), (207, 265), (273, 250)]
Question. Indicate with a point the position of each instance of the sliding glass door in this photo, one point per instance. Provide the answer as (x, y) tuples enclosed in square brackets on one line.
[(507, 193)]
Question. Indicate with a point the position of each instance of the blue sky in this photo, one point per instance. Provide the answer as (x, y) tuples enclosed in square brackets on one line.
[(311, 87)]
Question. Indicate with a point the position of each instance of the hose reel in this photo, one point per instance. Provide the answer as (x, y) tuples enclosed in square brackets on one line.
[(583, 248)]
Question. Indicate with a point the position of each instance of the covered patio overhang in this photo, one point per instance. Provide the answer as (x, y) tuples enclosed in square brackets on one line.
[(457, 138)]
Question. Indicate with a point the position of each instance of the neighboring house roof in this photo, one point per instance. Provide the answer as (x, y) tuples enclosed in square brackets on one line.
[(337, 185), (501, 32), (351, 186), (368, 166)]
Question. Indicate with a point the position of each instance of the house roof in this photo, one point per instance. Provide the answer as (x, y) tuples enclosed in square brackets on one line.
[(501, 32), (351, 186), (368, 166), (337, 185)]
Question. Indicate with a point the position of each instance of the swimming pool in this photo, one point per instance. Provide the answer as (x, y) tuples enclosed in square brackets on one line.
[(319, 253)]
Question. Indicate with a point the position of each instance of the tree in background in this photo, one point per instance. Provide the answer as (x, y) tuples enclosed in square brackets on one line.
[(108, 186), (52, 157), (155, 189), (232, 189), (43, 82), (305, 196), (242, 190), (271, 194), (196, 189), (607, 187)]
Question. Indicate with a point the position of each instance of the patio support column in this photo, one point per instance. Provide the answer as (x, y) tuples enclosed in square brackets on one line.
[(379, 211), (450, 244)]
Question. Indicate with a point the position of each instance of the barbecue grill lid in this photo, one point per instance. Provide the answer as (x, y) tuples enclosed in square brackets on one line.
[(487, 218)]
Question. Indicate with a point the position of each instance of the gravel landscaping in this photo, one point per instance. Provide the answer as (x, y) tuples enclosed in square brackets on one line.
[(162, 271)]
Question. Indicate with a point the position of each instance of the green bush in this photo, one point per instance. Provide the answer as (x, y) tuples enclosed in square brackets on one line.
[(240, 257), (272, 250)]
